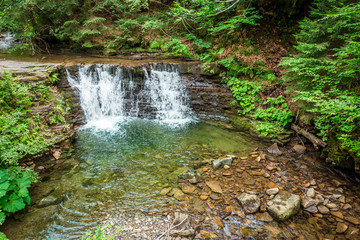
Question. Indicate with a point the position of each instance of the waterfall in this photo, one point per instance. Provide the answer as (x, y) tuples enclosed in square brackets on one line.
[(6, 40), (113, 92)]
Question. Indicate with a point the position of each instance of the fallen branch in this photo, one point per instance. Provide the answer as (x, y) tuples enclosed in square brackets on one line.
[(311, 137)]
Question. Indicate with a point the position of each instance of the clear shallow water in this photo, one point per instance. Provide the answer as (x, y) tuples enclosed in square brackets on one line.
[(121, 169)]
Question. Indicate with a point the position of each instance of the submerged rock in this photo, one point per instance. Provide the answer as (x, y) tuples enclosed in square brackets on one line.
[(284, 205), (190, 176), (274, 149), (47, 201), (220, 162), (214, 186), (249, 202)]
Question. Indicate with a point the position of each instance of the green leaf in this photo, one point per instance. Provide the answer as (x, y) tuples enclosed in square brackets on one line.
[(2, 220), (4, 188), (14, 203)]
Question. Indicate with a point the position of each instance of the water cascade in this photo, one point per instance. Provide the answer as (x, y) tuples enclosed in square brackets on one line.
[(6, 40), (109, 92)]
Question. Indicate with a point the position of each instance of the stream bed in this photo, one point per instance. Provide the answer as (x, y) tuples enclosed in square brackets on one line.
[(118, 169)]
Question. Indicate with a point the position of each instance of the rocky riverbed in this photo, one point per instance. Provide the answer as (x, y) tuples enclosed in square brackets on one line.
[(288, 195)]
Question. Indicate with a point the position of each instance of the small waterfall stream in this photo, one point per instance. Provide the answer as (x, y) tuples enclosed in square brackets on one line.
[(111, 92), (6, 41)]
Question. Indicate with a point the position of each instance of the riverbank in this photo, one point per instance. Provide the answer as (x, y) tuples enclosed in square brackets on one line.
[(212, 208)]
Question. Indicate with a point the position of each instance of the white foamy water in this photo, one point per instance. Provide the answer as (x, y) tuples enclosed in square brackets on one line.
[(110, 93), (6, 40)]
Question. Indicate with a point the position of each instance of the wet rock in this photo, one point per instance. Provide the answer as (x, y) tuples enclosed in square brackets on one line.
[(341, 227), (310, 192), (214, 186), (273, 230), (165, 191), (47, 201), (220, 162), (311, 209), (347, 206), (181, 220), (299, 148), (40, 168), (337, 214), (272, 191), (226, 167), (307, 202), (56, 155), (274, 149), (203, 197), (190, 176), (248, 232), (313, 182), (186, 188), (323, 210), (182, 233), (271, 185), (178, 194), (265, 217), (331, 205), (205, 234), (320, 198), (214, 197), (247, 179), (338, 183), (353, 220), (249, 202), (284, 205), (353, 233)]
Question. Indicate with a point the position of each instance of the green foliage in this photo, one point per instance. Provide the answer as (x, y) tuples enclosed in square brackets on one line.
[(326, 70), (22, 133), (177, 48), (14, 194)]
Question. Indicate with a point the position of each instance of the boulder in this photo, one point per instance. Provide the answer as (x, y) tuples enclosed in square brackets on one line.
[(249, 202), (284, 205)]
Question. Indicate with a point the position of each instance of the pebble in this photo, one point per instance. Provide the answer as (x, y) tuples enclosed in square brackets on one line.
[(226, 166), (338, 183), (310, 192), (214, 186), (337, 214), (299, 148), (353, 233), (342, 199), (341, 227), (203, 197), (353, 220), (307, 202), (331, 205), (311, 209), (313, 182), (271, 185), (322, 209), (272, 191), (346, 206)]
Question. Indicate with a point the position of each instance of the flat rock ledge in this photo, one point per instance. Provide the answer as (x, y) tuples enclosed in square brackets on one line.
[(284, 205)]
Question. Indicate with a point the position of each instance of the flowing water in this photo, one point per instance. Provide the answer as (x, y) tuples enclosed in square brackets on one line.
[(6, 41), (120, 161)]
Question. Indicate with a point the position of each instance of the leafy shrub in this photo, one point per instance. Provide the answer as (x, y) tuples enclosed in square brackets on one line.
[(14, 194), (325, 71)]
